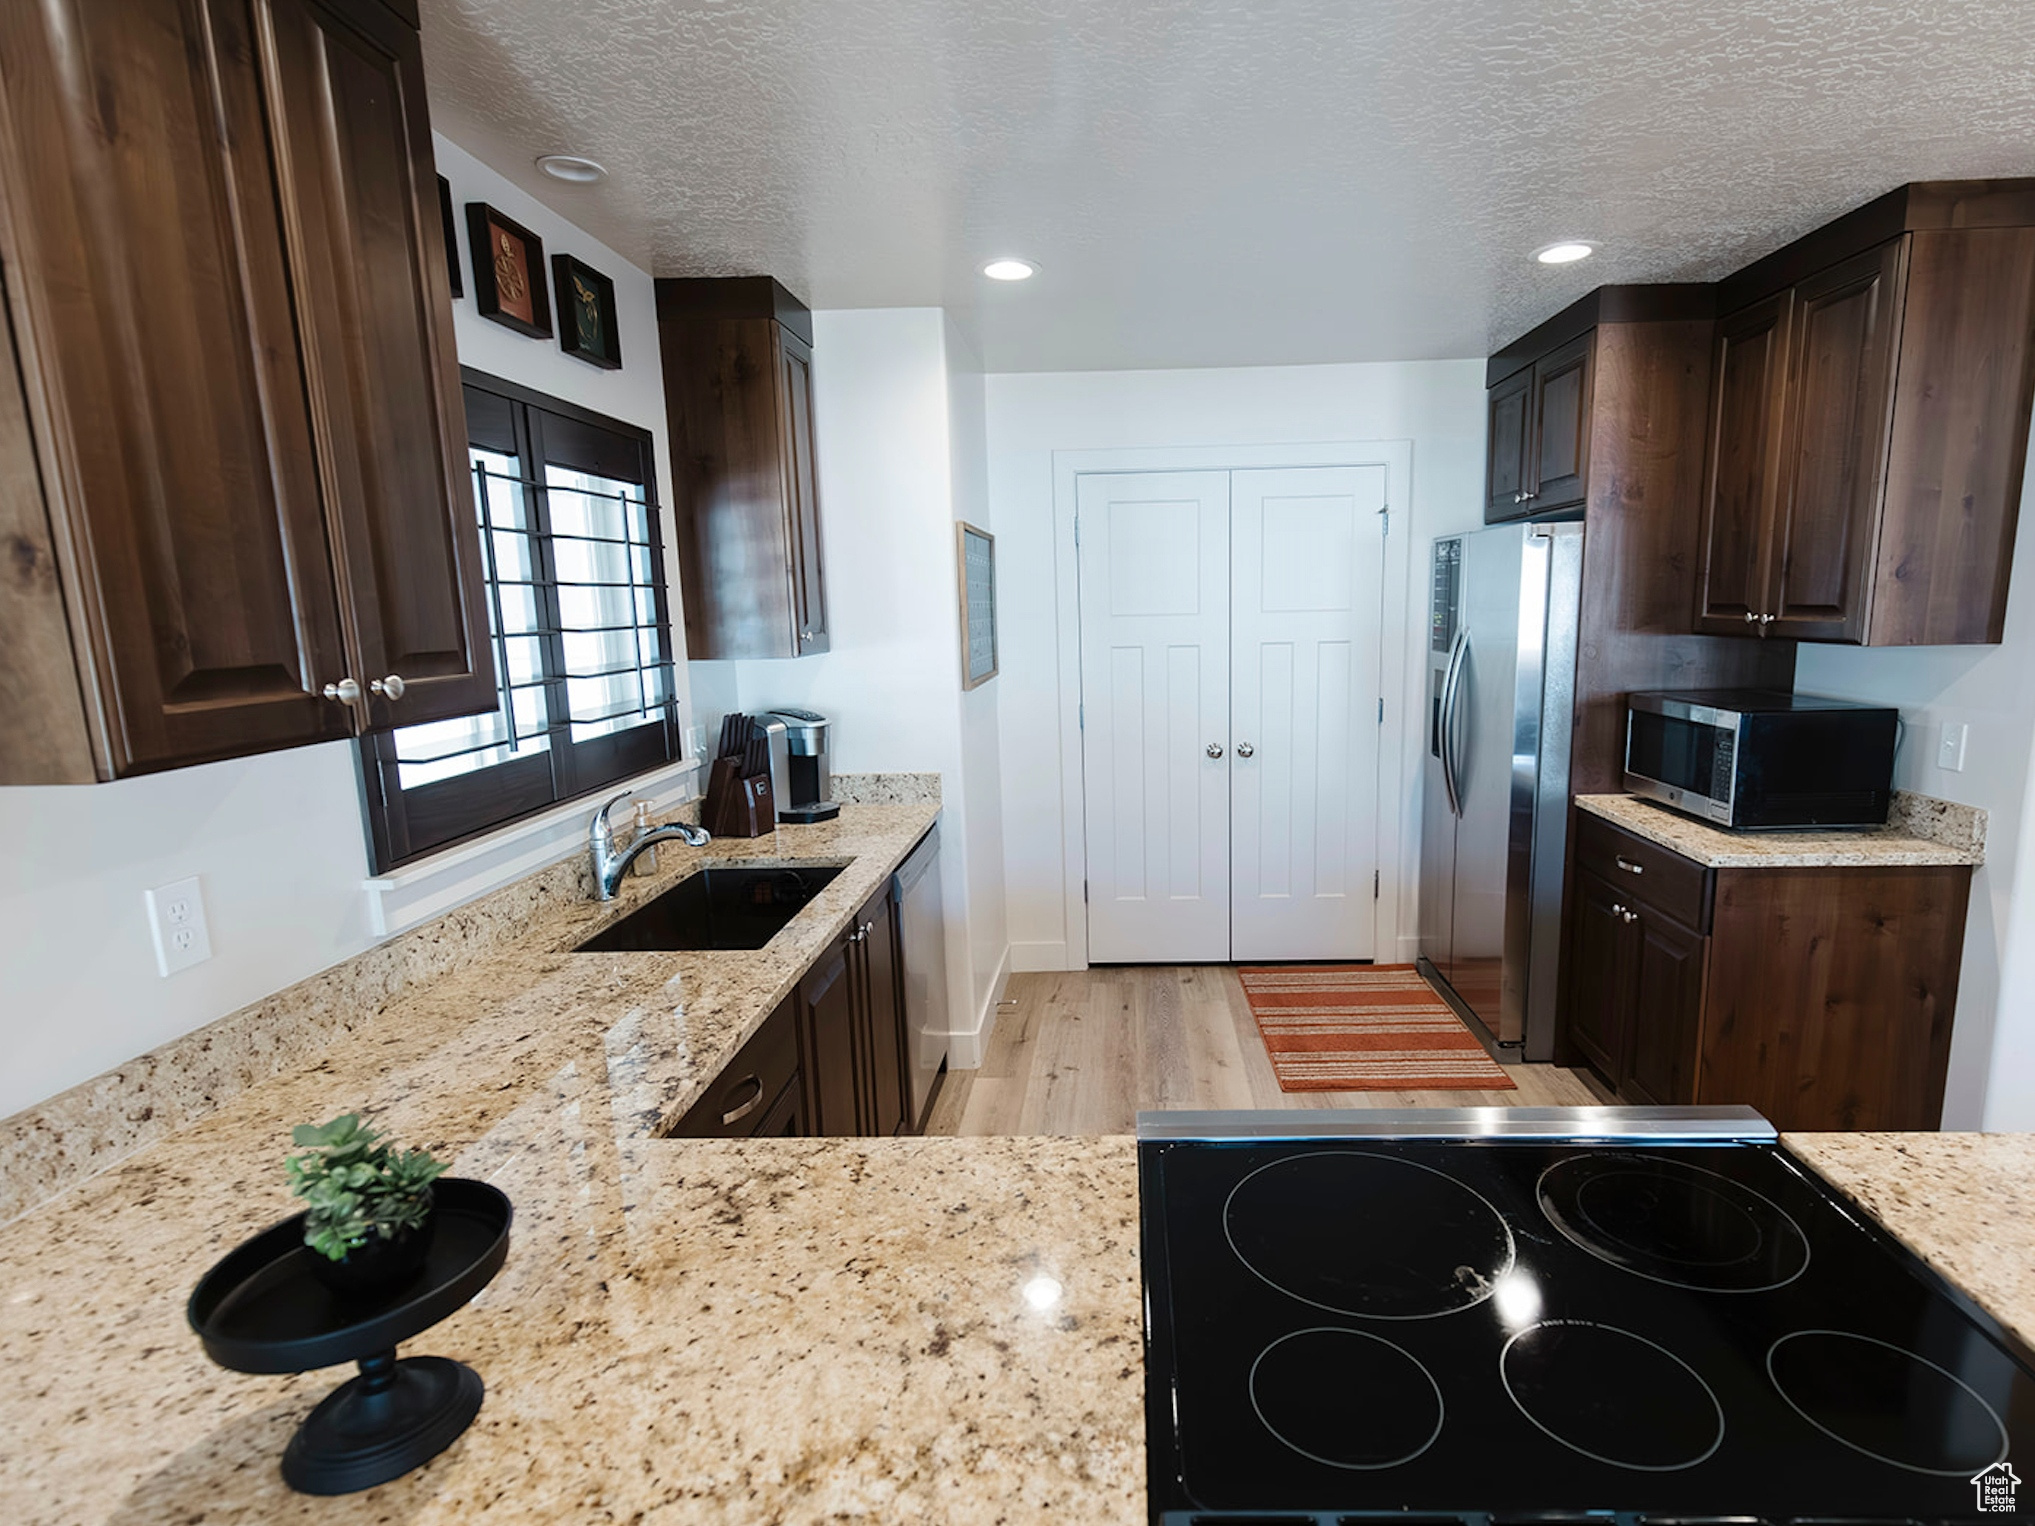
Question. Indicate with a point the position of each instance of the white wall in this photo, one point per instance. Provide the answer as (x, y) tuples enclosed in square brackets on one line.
[(278, 839), (898, 453), (1991, 689), (1436, 405)]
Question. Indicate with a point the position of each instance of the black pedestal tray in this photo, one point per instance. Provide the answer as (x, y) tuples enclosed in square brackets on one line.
[(262, 1309)]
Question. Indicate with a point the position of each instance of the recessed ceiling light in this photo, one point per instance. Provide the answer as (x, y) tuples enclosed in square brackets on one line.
[(1567, 252), (1010, 268), (572, 169)]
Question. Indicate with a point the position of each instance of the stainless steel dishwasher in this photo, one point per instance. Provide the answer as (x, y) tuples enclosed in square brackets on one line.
[(916, 889)]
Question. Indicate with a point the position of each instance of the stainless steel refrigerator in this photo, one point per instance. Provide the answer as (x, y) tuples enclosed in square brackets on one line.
[(1495, 799)]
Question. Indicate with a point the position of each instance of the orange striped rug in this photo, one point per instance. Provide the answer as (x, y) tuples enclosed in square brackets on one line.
[(1364, 1027)]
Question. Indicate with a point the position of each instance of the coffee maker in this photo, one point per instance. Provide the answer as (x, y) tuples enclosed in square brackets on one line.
[(799, 776)]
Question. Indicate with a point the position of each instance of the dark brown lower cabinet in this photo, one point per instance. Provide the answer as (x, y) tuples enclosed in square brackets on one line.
[(853, 1009), (1821, 996), (759, 1092)]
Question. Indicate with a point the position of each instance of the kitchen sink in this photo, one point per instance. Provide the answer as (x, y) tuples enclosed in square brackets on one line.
[(717, 908)]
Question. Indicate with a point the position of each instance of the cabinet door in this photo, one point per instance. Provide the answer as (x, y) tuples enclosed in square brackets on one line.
[(1602, 969), (1844, 343), (1667, 1010), (827, 1008), (787, 1117), (361, 198), (1560, 413), (802, 497), (1741, 469), (151, 303), (883, 1017), (1505, 440)]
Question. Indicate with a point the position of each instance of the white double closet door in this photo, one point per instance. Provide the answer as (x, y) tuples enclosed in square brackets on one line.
[(1230, 638)]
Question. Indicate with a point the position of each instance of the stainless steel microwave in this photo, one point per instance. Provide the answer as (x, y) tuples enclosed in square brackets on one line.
[(1757, 759)]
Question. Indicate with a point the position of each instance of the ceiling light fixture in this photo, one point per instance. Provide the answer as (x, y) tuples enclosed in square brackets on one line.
[(1567, 252), (1010, 268), (573, 169)]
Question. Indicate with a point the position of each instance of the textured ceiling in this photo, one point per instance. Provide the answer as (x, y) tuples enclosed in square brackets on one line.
[(1209, 183)]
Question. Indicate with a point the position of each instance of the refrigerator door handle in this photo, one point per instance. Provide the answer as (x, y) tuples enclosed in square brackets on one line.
[(1450, 693)]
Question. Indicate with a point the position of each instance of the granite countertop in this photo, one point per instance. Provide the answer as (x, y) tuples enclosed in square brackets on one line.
[(1920, 831), (771, 1330)]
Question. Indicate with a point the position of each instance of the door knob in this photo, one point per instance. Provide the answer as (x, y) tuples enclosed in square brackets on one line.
[(1246, 750), (390, 688), (346, 691), (1215, 749)]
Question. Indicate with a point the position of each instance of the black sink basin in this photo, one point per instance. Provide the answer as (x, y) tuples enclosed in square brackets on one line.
[(716, 908)]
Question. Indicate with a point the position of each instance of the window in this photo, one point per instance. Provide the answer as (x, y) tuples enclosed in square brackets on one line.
[(579, 621)]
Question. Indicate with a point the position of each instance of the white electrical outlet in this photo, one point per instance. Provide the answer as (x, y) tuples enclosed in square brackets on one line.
[(176, 915), (1950, 746)]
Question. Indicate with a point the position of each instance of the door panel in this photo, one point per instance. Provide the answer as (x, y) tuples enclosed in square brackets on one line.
[(361, 197), (883, 1016), (1155, 618), (1667, 1010), (1843, 349), (808, 577), (1506, 434), (1602, 973), (827, 1044), (1307, 583), (159, 357), (1482, 743), (1742, 468), (1560, 440)]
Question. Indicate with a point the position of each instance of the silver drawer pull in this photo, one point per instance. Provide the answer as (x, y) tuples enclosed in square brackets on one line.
[(1629, 866), (736, 1115)]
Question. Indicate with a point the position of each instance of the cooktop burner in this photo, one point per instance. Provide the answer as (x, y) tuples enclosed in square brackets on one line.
[(1614, 1396), (1370, 1235), (1674, 1222), (1471, 1328), (1345, 1398), (1888, 1403)]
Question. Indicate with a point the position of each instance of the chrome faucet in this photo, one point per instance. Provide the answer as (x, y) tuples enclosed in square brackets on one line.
[(609, 865)]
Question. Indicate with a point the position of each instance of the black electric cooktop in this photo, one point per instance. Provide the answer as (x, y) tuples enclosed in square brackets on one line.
[(1677, 1324)]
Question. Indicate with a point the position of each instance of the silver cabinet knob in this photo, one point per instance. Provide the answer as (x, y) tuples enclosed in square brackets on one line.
[(391, 687), (1622, 914), (1766, 619), (1751, 618), (1519, 497), (346, 691), (1215, 749), (1246, 750), (805, 635)]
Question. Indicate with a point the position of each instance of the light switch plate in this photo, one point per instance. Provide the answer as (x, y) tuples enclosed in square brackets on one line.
[(1950, 746), (176, 916)]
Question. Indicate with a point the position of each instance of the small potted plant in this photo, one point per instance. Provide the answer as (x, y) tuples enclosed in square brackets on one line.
[(370, 1205)]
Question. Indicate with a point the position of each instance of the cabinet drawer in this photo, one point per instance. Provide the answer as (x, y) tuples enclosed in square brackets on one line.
[(1650, 875), (737, 1101)]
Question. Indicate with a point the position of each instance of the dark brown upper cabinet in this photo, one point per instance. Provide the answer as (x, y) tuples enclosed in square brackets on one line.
[(1538, 447), (1872, 384), (738, 388), (234, 463)]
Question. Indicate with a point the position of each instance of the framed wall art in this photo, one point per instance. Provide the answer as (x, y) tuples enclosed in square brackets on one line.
[(978, 604), (452, 272), (587, 326), (508, 271)]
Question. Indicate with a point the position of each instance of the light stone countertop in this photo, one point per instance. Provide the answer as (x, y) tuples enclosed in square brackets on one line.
[(1965, 1203), (1920, 832), (771, 1330)]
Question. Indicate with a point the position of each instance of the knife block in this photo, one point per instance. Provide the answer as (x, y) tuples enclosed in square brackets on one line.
[(738, 806)]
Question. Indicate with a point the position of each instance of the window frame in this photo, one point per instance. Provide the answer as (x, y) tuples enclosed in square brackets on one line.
[(405, 826)]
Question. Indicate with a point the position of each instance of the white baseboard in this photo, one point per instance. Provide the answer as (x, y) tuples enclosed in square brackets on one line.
[(965, 1050), (1409, 949), (1026, 958)]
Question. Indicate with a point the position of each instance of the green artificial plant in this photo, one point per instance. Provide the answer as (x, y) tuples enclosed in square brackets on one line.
[(356, 1186)]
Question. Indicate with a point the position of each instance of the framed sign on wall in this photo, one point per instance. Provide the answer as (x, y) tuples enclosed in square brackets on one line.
[(508, 271), (978, 604)]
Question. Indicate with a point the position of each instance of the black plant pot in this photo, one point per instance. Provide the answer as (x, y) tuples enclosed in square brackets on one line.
[(379, 1266)]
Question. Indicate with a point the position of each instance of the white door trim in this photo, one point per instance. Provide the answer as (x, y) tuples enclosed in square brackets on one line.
[(1397, 828)]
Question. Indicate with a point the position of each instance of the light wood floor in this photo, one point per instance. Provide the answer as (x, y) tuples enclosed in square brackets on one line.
[(1082, 1052)]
